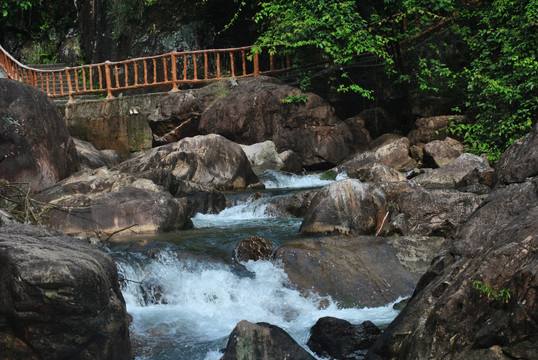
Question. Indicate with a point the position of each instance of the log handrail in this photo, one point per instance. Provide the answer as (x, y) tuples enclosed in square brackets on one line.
[(169, 69)]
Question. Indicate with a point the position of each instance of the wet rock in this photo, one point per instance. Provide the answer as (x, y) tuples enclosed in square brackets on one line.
[(519, 161), (263, 156), (262, 341), (252, 248), (253, 112), (436, 212), (35, 147), (431, 128), (449, 315), (292, 161), (60, 298), (92, 158), (354, 271), (105, 202), (449, 175), (339, 339), (152, 291), (295, 204), (438, 153), (210, 160), (394, 154), (347, 207)]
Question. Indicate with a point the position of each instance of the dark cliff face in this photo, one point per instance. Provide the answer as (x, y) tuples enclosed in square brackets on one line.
[(117, 30)]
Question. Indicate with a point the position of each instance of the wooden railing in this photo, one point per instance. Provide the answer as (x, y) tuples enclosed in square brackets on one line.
[(169, 70)]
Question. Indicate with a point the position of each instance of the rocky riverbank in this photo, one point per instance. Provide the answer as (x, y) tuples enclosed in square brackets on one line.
[(415, 215)]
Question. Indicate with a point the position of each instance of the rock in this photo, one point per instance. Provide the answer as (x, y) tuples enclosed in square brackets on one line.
[(60, 298), (394, 154), (431, 128), (354, 271), (361, 136), (415, 253), (262, 341), (448, 314), (252, 248), (253, 112), (379, 173), (436, 212), (377, 121), (178, 114), (202, 199), (448, 176), (35, 147), (347, 207), (104, 202), (383, 140), (263, 156), (438, 153), (519, 161), (292, 161), (92, 158), (339, 339), (294, 204), (477, 181), (210, 160)]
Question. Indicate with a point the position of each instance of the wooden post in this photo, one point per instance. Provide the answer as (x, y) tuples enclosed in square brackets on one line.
[(174, 72), (108, 81), (69, 85), (256, 64)]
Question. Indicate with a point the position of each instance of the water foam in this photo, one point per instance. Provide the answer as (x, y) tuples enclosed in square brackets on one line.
[(200, 303)]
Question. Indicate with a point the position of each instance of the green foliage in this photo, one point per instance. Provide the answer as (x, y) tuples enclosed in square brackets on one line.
[(496, 73), (503, 296), (333, 29), (295, 99), (328, 175)]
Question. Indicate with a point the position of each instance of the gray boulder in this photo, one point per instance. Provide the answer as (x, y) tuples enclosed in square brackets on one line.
[(92, 158), (60, 298), (210, 160), (347, 207), (263, 156), (438, 153), (104, 202)]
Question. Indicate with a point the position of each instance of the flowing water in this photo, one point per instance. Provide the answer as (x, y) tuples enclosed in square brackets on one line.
[(185, 297)]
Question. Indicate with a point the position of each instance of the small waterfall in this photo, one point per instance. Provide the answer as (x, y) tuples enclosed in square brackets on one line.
[(185, 298), (185, 309)]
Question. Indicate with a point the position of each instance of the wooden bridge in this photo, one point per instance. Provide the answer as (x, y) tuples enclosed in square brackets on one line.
[(167, 70)]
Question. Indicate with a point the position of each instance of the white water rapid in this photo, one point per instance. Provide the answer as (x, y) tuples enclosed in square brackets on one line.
[(184, 307)]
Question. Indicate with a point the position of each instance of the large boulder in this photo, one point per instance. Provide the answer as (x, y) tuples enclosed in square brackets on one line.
[(354, 271), (262, 341), (348, 207), (436, 212), (393, 153), (209, 160), (442, 152), (339, 339), (431, 128), (178, 114), (478, 299), (104, 202), (253, 112), (35, 147), (449, 175), (59, 298)]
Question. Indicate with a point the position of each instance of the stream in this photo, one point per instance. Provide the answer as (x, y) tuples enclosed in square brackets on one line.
[(185, 297)]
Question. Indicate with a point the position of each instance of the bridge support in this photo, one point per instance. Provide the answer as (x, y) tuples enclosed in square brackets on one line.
[(118, 123)]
